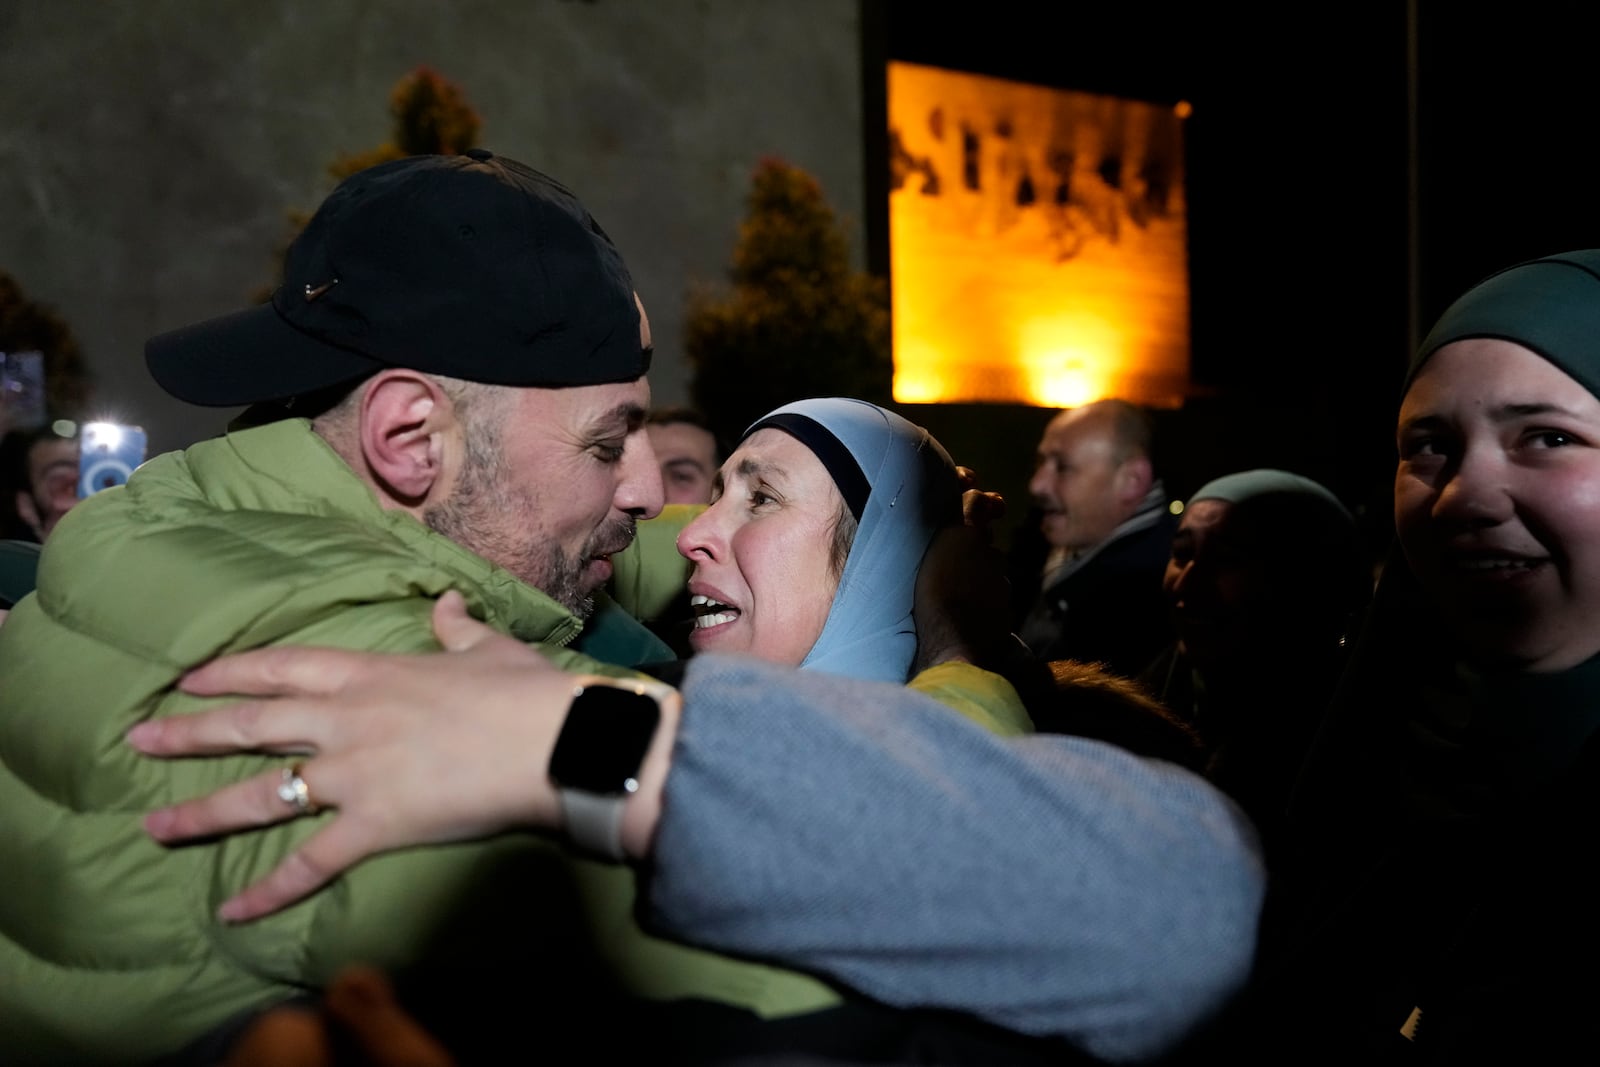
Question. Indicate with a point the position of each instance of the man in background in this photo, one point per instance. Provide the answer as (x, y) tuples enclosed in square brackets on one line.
[(1104, 516), (688, 452), (40, 473), (689, 455)]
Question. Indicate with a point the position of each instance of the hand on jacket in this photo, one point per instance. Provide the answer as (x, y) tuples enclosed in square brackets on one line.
[(410, 749)]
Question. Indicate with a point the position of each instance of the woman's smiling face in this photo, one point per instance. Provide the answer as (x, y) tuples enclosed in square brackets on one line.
[(763, 579), (1497, 502)]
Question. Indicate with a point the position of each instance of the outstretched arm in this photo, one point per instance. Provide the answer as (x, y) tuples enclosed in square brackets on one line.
[(1053, 885), (1050, 884)]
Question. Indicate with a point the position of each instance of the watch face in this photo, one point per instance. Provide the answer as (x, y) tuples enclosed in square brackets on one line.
[(607, 732)]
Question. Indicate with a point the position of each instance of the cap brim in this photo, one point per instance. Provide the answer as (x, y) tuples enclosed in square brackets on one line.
[(248, 357)]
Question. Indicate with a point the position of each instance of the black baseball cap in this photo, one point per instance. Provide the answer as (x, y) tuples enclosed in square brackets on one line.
[(472, 266)]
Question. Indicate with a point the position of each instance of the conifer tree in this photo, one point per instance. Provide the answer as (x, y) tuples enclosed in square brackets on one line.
[(798, 321), (431, 117), (28, 326)]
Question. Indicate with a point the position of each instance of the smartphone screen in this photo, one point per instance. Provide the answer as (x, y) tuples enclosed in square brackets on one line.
[(21, 390), (108, 452)]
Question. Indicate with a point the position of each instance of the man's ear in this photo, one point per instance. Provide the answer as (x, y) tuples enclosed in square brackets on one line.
[(1134, 478), (28, 512), (405, 419)]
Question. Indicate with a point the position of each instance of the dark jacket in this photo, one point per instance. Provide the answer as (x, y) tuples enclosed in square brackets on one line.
[(1111, 610), (1257, 728), (1441, 869)]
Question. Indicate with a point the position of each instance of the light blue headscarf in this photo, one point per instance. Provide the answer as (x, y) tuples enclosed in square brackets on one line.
[(902, 487)]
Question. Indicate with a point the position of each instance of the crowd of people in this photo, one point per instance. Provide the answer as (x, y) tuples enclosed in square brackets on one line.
[(456, 699)]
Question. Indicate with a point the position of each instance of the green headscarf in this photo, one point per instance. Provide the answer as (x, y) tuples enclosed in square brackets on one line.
[(1549, 305), (1242, 486)]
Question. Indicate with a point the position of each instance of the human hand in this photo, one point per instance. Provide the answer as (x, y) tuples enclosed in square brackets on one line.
[(962, 600), (980, 508), (359, 1007), (410, 750), (962, 594)]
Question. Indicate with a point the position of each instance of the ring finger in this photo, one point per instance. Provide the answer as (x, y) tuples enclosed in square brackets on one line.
[(256, 801)]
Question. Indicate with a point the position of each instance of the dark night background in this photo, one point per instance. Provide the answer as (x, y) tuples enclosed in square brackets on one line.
[(1349, 168), (1331, 218)]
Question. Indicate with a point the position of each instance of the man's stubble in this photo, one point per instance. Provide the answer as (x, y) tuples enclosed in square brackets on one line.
[(493, 517)]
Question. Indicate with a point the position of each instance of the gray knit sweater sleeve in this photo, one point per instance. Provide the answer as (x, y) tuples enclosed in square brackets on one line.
[(1052, 885)]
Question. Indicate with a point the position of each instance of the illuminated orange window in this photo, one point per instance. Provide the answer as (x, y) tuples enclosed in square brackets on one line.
[(1037, 243)]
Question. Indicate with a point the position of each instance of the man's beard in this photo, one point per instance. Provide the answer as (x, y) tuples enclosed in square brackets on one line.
[(490, 517), (560, 577)]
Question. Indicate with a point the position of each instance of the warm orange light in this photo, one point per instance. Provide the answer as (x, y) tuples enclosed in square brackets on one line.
[(1037, 244)]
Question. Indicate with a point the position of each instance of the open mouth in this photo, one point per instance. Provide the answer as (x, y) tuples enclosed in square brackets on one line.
[(1491, 574), (709, 613), (1493, 566), (1500, 564), (611, 540)]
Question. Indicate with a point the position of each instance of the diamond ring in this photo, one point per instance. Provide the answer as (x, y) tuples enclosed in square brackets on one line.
[(294, 791)]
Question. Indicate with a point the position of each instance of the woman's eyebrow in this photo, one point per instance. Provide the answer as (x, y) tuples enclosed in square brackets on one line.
[(1510, 412), (760, 468), (1421, 422), (747, 469)]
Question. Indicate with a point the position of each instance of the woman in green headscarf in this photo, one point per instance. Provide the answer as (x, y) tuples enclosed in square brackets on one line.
[(1267, 573), (1446, 907)]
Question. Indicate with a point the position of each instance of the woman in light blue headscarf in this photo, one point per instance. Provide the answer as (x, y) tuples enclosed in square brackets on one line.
[(809, 554)]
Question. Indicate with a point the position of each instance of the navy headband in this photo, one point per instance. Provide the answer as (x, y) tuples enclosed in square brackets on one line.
[(840, 464)]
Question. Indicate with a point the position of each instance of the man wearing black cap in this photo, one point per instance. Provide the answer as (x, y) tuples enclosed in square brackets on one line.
[(432, 282), (446, 392)]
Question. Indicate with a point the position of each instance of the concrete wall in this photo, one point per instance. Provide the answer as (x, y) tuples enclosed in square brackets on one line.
[(149, 151)]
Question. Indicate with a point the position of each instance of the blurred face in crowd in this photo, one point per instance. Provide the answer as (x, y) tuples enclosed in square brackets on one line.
[(553, 483), (688, 457), (1497, 502), (764, 579), (1219, 591), (52, 484), (1082, 483)]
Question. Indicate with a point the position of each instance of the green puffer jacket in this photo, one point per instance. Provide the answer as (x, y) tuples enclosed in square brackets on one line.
[(109, 949)]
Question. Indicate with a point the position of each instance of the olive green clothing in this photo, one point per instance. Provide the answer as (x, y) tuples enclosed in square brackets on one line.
[(109, 948), (651, 575)]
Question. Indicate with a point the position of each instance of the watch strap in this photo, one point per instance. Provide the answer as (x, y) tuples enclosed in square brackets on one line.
[(594, 822)]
